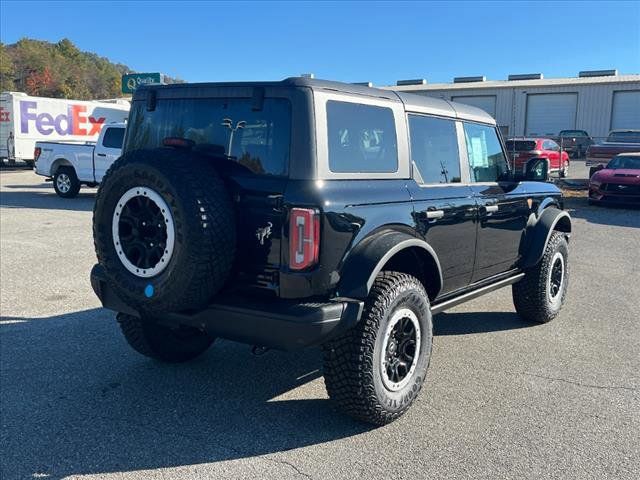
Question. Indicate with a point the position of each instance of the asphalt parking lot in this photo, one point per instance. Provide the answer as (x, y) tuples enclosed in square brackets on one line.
[(503, 399)]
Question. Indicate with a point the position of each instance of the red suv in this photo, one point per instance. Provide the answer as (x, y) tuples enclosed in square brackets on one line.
[(521, 150)]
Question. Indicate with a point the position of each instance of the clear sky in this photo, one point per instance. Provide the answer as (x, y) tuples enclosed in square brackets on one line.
[(348, 41)]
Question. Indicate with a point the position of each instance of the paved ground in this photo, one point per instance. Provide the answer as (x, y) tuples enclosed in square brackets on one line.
[(504, 399)]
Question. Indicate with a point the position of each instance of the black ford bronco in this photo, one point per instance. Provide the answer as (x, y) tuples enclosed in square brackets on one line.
[(305, 212)]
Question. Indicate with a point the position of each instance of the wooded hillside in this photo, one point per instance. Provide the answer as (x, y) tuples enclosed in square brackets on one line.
[(59, 70)]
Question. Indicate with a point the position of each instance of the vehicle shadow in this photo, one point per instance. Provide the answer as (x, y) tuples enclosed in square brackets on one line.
[(617, 215), (36, 197), (464, 323), (77, 400)]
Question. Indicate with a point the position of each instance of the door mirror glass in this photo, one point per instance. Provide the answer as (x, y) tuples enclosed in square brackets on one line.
[(537, 170)]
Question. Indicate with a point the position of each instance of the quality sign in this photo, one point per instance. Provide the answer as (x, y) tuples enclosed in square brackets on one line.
[(132, 81)]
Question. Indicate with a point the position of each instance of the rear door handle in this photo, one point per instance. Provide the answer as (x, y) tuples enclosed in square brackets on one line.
[(101, 154), (435, 214)]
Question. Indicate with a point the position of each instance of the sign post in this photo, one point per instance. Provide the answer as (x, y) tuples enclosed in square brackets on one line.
[(131, 81)]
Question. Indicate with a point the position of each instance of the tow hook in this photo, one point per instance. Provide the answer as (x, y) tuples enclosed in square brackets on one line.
[(258, 350)]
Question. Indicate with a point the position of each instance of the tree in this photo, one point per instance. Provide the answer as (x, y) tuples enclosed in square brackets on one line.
[(60, 70)]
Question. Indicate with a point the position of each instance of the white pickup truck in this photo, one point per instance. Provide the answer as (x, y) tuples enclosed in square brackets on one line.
[(71, 165)]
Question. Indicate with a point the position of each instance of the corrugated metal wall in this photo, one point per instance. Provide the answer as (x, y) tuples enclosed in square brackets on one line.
[(595, 103)]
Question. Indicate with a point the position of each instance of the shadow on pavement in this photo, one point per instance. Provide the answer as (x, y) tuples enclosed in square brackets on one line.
[(617, 215), (37, 198), (465, 323), (77, 400)]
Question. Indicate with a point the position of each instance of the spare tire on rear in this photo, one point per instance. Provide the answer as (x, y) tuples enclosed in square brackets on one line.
[(164, 229)]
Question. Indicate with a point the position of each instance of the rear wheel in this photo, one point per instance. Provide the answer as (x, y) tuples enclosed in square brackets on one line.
[(65, 182), (374, 371), (173, 345), (539, 296)]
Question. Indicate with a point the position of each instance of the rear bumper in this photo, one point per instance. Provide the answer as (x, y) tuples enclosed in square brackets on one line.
[(281, 324)]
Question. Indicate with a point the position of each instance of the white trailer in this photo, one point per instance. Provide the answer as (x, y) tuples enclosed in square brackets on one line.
[(25, 120)]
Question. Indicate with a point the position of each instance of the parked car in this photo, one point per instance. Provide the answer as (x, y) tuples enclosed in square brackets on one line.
[(25, 120), (298, 213), (618, 182), (618, 141), (521, 150), (70, 165), (574, 142)]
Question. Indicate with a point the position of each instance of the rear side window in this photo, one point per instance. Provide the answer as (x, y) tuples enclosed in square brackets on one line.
[(113, 138), (362, 138), (486, 158), (434, 149), (224, 128)]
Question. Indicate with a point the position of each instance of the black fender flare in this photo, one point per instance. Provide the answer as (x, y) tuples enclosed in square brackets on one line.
[(369, 257), (539, 233)]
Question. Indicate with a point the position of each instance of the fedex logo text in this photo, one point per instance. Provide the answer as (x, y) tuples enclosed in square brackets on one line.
[(75, 122)]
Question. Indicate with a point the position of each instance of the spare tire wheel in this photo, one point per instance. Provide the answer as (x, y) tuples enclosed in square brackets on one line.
[(164, 230)]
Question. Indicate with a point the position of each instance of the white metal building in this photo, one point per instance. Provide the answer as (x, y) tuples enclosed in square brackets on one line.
[(528, 104)]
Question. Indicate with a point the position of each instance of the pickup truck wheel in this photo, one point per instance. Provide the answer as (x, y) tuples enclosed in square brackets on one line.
[(539, 296), (374, 371), (65, 182), (164, 230), (173, 345)]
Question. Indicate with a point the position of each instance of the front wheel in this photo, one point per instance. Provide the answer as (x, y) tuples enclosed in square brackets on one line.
[(375, 370), (66, 183), (172, 345), (539, 296)]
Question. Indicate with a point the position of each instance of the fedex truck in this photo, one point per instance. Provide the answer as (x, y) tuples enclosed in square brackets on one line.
[(24, 120)]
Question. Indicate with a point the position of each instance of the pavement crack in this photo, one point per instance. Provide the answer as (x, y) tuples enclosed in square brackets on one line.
[(564, 380), (289, 464)]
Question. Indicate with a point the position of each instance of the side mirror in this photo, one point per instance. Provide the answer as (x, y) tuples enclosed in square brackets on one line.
[(537, 170)]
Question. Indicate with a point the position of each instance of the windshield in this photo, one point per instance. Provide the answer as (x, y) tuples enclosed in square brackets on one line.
[(624, 137), (224, 128), (619, 162), (572, 133), (520, 145)]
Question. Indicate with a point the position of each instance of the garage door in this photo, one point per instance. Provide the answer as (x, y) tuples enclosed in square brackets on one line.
[(549, 113), (485, 102), (626, 110)]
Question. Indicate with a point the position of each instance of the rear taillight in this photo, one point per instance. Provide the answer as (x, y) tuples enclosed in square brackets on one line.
[(36, 153), (304, 238)]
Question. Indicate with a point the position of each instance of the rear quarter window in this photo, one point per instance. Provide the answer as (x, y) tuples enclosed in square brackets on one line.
[(113, 137), (362, 138)]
